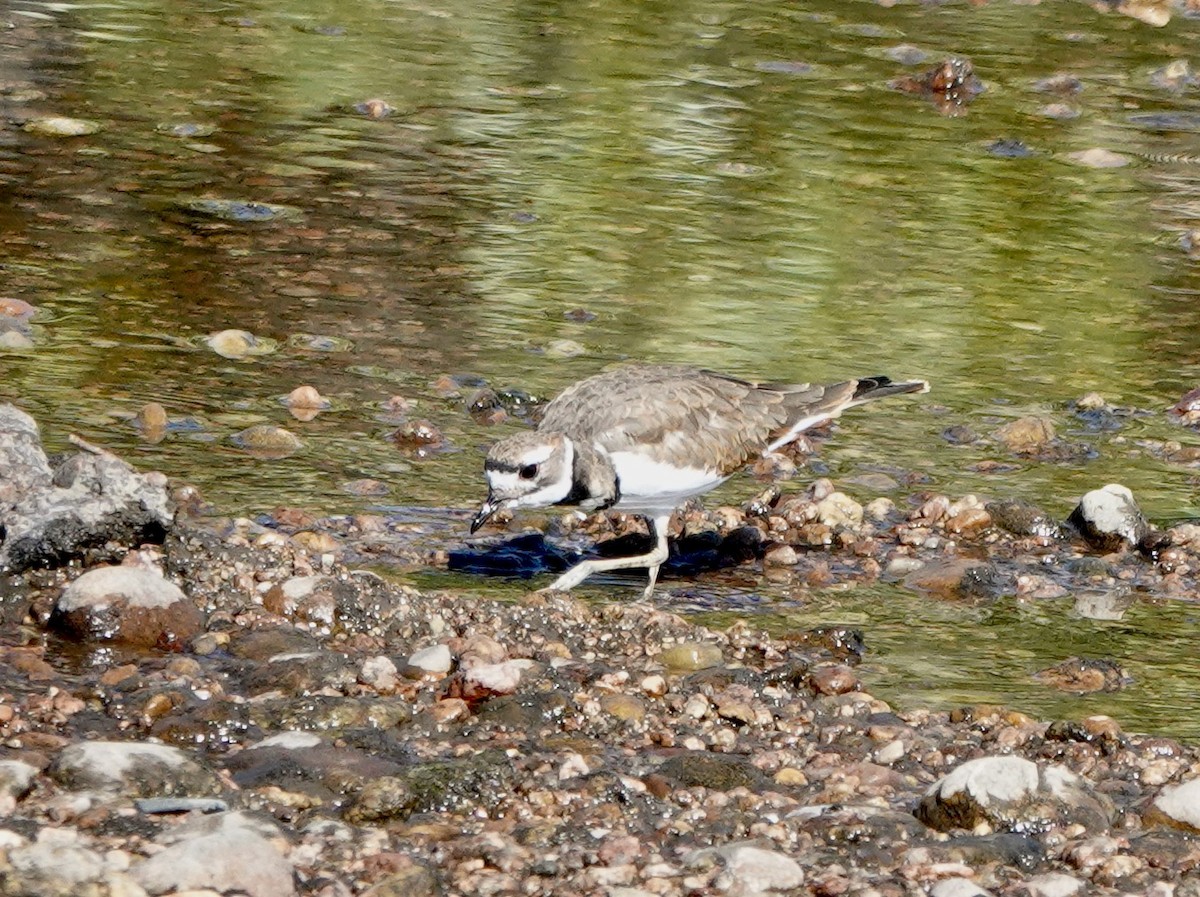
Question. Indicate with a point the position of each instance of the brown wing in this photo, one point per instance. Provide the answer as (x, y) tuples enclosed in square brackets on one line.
[(664, 411)]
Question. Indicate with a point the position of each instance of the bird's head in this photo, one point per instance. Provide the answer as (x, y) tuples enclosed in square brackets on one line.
[(526, 470)]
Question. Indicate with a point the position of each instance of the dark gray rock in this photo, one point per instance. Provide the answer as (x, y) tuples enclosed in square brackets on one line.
[(50, 516)]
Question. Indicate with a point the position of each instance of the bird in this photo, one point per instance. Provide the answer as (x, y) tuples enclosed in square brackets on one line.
[(644, 438)]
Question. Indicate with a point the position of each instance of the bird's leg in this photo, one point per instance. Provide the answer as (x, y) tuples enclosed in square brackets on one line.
[(653, 560)]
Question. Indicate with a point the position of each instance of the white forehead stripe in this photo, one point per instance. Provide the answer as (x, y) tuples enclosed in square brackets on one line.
[(502, 481), (539, 454)]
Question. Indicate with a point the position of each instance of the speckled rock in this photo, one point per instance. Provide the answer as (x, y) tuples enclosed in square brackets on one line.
[(718, 772), (57, 865), (479, 781), (1012, 794), (132, 769), (226, 852), (749, 868), (132, 605), (53, 515)]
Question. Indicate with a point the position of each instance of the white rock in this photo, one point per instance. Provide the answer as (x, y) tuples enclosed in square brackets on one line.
[(133, 586), (227, 853), (990, 779), (434, 659), (16, 778), (957, 887), (291, 741), (139, 768), (380, 673), (499, 678), (1181, 803), (1053, 884), (755, 870)]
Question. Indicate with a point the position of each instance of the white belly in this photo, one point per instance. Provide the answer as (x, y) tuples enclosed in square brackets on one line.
[(649, 486)]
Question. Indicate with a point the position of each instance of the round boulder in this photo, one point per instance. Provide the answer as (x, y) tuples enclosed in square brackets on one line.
[(1012, 794), (132, 605)]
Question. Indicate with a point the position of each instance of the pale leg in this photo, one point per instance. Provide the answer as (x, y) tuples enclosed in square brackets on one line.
[(653, 560)]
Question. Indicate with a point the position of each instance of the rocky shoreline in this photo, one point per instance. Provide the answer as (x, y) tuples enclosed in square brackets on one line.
[(189, 707)]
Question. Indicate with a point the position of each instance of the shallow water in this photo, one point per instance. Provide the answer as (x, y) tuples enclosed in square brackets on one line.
[(719, 183)]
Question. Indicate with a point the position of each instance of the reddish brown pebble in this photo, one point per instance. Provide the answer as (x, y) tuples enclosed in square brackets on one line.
[(834, 680)]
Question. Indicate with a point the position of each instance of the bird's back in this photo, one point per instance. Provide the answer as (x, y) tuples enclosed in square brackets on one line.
[(671, 413)]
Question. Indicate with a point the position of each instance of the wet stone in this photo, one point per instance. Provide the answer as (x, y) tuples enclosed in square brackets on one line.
[(717, 772), (1013, 794), (1109, 518), (1026, 435), (238, 344), (132, 769), (131, 605), (956, 578), (688, 656), (1079, 675), (1023, 519), (451, 786), (326, 713), (267, 441), (61, 126)]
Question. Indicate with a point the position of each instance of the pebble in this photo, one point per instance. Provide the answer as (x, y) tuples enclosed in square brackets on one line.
[(690, 656), (837, 679), (1053, 884), (749, 868), (60, 126), (435, 659), (1098, 157), (268, 441), (1026, 435), (624, 707)]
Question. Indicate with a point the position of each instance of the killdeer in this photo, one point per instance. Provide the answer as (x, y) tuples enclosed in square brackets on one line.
[(644, 438)]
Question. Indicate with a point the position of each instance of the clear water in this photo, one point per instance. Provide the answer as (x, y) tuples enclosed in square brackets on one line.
[(727, 183)]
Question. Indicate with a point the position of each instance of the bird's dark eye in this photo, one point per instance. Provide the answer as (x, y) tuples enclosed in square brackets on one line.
[(528, 472)]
